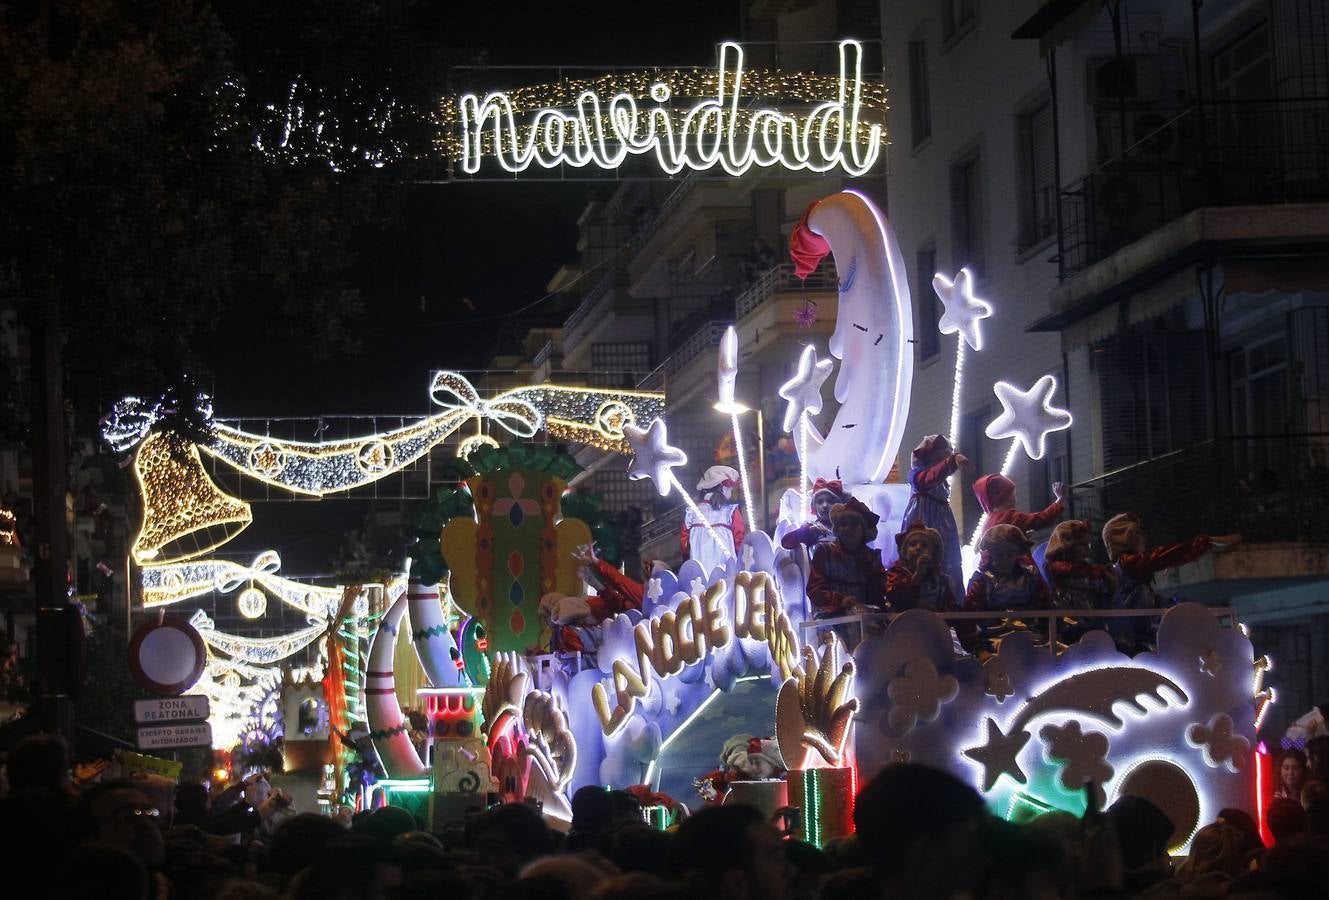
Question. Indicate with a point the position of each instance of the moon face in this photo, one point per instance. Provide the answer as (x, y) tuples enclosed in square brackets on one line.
[(1168, 787), (874, 329)]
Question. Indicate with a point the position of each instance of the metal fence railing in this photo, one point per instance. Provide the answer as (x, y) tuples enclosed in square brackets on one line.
[(706, 337), (1213, 154), (590, 304), (1270, 488), (1053, 623), (663, 525), (781, 279)]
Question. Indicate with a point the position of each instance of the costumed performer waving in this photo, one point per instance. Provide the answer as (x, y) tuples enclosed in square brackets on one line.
[(712, 546)]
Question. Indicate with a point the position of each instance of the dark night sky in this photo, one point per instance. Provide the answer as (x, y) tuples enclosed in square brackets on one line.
[(494, 243)]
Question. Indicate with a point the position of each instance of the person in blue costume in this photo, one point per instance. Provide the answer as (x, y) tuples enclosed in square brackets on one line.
[(934, 461)]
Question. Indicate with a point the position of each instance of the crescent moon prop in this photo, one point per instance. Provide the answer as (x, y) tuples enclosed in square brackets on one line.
[(874, 328), (1091, 693), (387, 727)]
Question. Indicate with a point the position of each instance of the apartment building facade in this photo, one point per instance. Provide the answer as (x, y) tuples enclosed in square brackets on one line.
[(1153, 226)]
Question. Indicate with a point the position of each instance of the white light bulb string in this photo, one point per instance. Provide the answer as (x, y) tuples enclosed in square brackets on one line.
[(954, 436), (803, 427), (743, 469)]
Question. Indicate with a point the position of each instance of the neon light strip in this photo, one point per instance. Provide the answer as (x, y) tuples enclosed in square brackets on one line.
[(708, 135), (803, 484), (743, 470), (812, 807), (1261, 753), (683, 726), (406, 785), (955, 395)]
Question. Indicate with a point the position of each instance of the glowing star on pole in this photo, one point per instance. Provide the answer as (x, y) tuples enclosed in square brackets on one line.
[(803, 391), (962, 311), (652, 457), (1028, 417)]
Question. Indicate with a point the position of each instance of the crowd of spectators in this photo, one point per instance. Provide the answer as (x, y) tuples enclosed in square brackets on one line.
[(921, 833)]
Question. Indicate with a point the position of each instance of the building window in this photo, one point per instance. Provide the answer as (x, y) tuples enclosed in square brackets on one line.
[(620, 365), (956, 16), (617, 493), (1260, 407), (1243, 69), (920, 105), (1036, 179), (967, 216), (926, 334)]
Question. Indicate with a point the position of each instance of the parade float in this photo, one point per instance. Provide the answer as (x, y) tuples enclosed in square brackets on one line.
[(545, 670), (704, 654)]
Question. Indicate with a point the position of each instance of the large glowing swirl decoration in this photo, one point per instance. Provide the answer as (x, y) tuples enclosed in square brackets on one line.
[(585, 415), (873, 336)]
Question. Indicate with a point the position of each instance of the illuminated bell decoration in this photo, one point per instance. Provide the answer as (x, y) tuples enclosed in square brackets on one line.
[(252, 603), (184, 513)]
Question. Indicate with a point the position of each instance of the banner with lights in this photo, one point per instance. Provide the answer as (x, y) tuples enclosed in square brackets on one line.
[(187, 517), (732, 118)]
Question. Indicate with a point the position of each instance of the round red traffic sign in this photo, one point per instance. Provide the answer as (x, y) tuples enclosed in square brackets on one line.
[(167, 657)]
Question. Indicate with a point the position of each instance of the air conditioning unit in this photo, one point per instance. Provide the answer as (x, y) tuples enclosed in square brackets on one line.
[(1135, 79)]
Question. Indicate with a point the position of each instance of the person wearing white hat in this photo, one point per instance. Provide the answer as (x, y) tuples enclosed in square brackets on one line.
[(716, 490)]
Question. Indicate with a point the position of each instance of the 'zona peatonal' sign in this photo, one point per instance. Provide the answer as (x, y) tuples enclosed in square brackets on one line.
[(601, 123), (190, 708)]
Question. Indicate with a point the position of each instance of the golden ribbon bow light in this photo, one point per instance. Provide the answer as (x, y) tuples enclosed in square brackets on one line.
[(452, 392)]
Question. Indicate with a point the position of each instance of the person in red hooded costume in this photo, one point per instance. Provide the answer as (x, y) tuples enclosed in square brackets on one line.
[(996, 494)]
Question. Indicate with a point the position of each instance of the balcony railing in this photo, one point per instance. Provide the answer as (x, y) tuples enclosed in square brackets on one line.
[(663, 525), (1215, 154), (543, 355), (779, 280), (1269, 488), (593, 298), (661, 215), (706, 337)]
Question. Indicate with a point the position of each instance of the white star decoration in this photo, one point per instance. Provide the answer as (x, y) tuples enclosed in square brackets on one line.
[(803, 391), (962, 310), (673, 700), (1028, 416), (652, 457)]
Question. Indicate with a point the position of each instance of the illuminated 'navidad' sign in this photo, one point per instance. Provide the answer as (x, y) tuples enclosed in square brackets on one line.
[(591, 129)]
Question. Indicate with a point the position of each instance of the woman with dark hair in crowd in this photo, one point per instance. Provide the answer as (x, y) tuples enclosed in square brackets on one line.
[(1290, 773)]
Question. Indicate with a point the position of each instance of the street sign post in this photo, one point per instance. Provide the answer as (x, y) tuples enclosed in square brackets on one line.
[(169, 737), (190, 708)]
